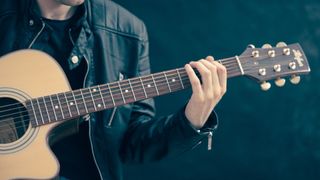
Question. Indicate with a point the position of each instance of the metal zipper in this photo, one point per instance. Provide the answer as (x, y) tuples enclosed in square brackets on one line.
[(38, 34), (89, 133)]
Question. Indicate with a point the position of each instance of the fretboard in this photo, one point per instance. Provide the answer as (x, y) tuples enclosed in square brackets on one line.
[(72, 104)]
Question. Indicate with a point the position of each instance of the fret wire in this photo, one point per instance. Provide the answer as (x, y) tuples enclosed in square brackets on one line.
[(154, 84), (45, 105), (54, 112), (34, 111), (104, 105), (75, 102), (124, 101), (180, 78), (94, 103), (67, 104), (167, 81), (40, 111), (84, 101), (114, 104), (133, 93), (144, 90)]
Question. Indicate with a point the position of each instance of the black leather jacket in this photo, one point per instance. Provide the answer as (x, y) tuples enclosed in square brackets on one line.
[(115, 45)]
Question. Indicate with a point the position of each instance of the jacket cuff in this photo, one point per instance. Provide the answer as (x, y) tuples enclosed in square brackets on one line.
[(210, 125)]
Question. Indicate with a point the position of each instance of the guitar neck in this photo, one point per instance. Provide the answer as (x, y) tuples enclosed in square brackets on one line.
[(72, 104)]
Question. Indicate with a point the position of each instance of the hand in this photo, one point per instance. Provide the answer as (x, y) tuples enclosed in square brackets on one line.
[(205, 96)]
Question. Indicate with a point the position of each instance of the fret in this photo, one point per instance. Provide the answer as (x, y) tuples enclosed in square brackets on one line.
[(165, 75), (59, 106), (52, 107), (40, 111), (148, 83), (106, 96), (34, 112), (84, 102), (180, 78), (134, 96), (66, 102), (114, 104), (102, 99), (45, 105), (173, 80), (75, 102), (124, 101), (144, 90), (161, 83), (94, 103), (127, 91), (88, 100), (98, 100), (72, 104), (155, 84)]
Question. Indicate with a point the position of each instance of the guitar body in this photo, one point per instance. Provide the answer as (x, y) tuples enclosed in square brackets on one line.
[(24, 150)]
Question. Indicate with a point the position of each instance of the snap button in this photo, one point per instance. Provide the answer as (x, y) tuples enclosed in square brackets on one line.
[(31, 22), (74, 59)]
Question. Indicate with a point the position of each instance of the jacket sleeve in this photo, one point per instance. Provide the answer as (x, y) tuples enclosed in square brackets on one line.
[(148, 138)]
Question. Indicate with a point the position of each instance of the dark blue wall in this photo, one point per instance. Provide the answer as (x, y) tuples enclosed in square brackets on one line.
[(262, 135)]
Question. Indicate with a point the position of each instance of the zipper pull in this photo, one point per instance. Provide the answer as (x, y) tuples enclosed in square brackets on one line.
[(209, 141)]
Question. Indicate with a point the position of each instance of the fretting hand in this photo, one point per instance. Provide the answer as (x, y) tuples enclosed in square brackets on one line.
[(205, 95)]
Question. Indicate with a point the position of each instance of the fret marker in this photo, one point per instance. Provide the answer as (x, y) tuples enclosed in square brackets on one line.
[(56, 107), (148, 85), (99, 105), (126, 91), (71, 103), (94, 90), (173, 80)]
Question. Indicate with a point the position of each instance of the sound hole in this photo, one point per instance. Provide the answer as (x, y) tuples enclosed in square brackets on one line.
[(14, 120)]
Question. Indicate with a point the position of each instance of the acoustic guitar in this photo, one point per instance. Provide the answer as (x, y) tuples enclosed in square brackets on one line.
[(37, 104)]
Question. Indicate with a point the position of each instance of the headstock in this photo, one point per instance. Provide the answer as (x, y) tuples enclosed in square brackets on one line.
[(269, 62)]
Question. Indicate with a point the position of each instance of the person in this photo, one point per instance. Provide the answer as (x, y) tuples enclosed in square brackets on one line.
[(96, 42)]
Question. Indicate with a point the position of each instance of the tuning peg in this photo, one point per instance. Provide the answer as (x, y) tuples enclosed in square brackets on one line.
[(281, 44), (280, 82), (295, 79), (265, 86), (266, 46), (251, 46)]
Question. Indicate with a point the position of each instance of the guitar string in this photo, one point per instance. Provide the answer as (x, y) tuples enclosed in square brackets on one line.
[(97, 95), (124, 85), (93, 102), (121, 93), (108, 101), (155, 74), (233, 64)]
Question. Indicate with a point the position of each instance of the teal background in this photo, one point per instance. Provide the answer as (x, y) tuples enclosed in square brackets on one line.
[(262, 135)]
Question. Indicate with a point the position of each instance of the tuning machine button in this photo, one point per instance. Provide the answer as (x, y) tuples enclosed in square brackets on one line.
[(280, 82), (251, 46), (265, 86), (266, 46), (295, 79), (281, 44)]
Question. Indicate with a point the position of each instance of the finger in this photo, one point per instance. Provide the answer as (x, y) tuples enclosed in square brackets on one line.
[(210, 58), (222, 74), (215, 79), (205, 75), (194, 80)]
